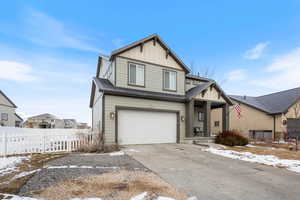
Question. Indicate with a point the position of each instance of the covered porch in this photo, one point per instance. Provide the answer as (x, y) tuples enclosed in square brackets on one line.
[(203, 99), (199, 121)]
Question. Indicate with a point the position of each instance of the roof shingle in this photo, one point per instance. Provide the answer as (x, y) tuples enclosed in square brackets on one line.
[(274, 103)]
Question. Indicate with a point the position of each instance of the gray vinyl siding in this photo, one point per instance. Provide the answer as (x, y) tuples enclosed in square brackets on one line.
[(112, 101), (97, 112), (153, 77), (11, 115)]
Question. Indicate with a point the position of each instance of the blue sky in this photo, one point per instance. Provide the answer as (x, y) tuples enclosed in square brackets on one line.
[(49, 49)]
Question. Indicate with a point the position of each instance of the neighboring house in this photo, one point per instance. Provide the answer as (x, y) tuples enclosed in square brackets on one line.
[(51, 121), (143, 93), (81, 125), (44, 121), (8, 116), (268, 116), (70, 123)]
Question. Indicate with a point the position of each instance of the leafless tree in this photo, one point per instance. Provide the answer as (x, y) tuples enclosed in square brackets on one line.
[(206, 72)]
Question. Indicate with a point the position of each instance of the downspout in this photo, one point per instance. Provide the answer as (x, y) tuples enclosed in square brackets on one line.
[(274, 128)]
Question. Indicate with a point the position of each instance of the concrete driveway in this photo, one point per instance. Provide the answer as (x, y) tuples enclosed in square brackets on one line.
[(212, 177)]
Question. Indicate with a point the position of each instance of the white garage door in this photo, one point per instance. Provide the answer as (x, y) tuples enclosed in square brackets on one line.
[(145, 127)]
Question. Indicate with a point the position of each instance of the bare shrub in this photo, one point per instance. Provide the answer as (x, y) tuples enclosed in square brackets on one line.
[(231, 138), (95, 143)]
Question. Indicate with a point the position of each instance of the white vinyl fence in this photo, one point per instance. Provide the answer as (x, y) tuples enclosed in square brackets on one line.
[(28, 140)]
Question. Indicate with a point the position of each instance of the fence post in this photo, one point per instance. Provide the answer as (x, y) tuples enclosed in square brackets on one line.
[(5, 144), (297, 143), (44, 143)]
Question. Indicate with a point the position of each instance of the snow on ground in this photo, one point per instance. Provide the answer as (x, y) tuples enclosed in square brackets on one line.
[(141, 196), (93, 198), (164, 198), (8, 164), (22, 174), (292, 165), (15, 197), (118, 153)]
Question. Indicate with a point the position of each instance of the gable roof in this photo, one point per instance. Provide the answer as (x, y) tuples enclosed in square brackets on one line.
[(274, 103), (43, 116), (146, 39), (203, 86), (12, 103), (18, 116)]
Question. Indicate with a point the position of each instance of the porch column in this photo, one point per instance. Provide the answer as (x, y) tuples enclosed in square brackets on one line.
[(207, 121), (225, 117), (189, 118)]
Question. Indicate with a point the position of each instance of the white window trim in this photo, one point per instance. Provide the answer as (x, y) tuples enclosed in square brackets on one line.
[(164, 85), (2, 118), (144, 74)]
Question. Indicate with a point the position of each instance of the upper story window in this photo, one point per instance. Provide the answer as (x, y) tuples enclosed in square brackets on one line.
[(136, 74), (4, 117), (170, 80)]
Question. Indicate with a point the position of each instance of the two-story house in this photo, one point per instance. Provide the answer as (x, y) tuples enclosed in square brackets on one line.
[(143, 94), (8, 116)]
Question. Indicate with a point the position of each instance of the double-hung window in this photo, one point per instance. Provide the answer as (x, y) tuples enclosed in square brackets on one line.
[(4, 117), (136, 74), (170, 80)]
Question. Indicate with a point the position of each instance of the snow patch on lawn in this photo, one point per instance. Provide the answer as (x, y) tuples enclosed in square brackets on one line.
[(8, 164), (140, 196), (118, 153), (164, 198), (93, 198), (15, 197), (292, 165), (22, 174)]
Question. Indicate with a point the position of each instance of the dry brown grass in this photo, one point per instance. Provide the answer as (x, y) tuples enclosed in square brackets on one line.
[(274, 145), (9, 186), (116, 185), (96, 144), (266, 150)]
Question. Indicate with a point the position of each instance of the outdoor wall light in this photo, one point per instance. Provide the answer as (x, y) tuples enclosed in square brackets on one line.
[(112, 115), (182, 118)]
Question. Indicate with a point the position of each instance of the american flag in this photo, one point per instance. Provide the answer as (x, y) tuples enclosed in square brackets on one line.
[(238, 109)]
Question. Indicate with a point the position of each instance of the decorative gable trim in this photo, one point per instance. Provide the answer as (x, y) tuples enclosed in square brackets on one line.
[(155, 39), (202, 89)]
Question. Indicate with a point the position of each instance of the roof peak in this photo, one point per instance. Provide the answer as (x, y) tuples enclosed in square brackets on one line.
[(279, 92), (8, 99)]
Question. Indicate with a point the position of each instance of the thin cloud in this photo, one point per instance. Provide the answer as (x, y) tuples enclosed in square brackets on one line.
[(237, 75), (283, 72), (15, 71), (47, 31), (257, 51)]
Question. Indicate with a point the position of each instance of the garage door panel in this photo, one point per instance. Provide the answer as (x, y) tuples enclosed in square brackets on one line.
[(145, 127)]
